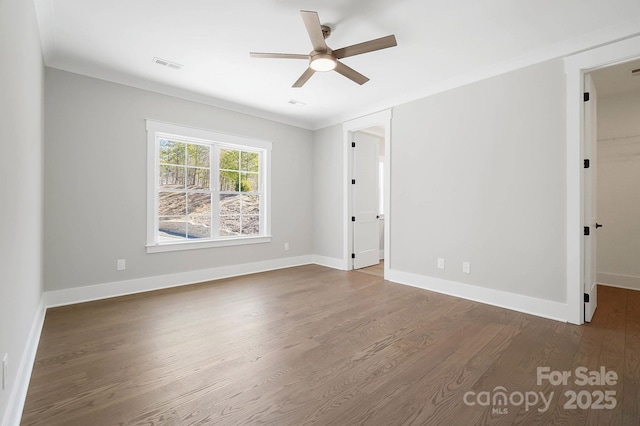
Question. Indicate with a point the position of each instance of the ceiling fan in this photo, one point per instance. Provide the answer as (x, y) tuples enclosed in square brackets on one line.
[(322, 58)]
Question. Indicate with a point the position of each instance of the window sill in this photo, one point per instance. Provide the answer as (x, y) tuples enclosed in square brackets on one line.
[(193, 245)]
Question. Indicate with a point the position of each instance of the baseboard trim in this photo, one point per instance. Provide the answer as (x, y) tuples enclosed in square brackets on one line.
[(516, 302), (23, 376), (329, 262), (621, 281), (140, 285)]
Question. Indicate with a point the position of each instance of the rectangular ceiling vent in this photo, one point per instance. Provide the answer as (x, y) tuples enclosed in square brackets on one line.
[(635, 72), (297, 103), (166, 63)]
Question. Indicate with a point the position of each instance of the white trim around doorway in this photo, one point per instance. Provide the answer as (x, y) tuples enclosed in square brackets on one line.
[(382, 118), (576, 67)]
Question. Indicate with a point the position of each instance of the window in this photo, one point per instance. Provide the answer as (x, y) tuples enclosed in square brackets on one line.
[(205, 189)]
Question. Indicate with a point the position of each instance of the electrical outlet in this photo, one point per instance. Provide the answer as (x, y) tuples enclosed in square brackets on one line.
[(466, 267), (5, 371), (121, 264), (286, 246), (440, 263)]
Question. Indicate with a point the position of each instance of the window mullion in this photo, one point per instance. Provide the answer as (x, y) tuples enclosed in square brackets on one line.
[(262, 193), (186, 191), (214, 166)]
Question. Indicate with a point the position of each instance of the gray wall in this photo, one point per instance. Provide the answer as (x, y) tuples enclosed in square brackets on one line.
[(21, 91), (618, 194), (95, 182), (328, 184), (478, 175)]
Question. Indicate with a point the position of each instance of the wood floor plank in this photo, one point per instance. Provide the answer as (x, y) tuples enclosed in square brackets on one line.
[(312, 345)]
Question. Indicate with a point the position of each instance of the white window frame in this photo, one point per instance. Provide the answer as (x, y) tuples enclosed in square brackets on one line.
[(155, 130)]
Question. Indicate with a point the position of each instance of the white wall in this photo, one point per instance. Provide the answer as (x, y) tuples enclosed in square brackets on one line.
[(478, 175), (21, 91), (95, 183), (618, 195), (328, 183), (619, 116)]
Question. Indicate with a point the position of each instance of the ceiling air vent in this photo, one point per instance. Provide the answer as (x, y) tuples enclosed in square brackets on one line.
[(635, 72), (297, 103), (166, 63)]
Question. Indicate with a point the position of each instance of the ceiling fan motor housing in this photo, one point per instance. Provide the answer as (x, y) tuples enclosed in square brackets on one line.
[(326, 31)]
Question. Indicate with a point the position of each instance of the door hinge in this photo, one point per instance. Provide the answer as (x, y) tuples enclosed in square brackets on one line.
[(353, 218), (586, 298), (353, 144), (586, 230), (587, 163), (586, 96), (353, 255), (353, 181)]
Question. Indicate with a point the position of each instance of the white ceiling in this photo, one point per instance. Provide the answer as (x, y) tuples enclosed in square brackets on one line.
[(441, 44)]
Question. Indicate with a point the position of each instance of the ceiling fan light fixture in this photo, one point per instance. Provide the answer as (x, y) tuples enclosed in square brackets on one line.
[(322, 58), (323, 62)]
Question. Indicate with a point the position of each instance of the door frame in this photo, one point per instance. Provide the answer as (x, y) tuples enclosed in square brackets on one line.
[(576, 67), (590, 183), (382, 118)]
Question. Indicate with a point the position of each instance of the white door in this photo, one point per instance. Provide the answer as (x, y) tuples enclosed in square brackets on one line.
[(590, 184), (366, 231)]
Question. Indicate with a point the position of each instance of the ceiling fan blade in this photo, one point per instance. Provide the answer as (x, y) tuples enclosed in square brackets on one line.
[(304, 77), (350, 73), (314, 28), (367, 46), (278, 55)]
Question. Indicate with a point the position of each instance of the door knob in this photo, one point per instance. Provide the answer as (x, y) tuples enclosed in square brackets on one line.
[(598, 225)]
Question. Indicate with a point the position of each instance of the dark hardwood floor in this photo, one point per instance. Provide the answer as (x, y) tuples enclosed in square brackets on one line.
[(311, 345)]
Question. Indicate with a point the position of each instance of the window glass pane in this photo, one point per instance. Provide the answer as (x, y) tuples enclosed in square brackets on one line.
[(229, 159), (197, 178), (171, 152), (172, 204), (229, 204), (199, 203), (249, 161), (250, 204), (229, 225), (197, 155), (171, 228), (250, 225), (199, 226), (229, 181), (249, 182), (171, 177)]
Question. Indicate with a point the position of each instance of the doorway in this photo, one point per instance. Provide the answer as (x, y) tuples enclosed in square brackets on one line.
[(576, 67), (368, 159), (618, 162), (367, 144)]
